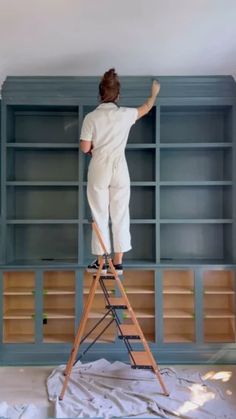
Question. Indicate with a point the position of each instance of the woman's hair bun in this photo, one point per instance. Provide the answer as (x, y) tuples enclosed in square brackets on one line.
[(109, 87), (110, 74)]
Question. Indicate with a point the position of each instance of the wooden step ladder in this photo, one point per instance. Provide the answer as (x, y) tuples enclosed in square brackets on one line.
[(139, 359)]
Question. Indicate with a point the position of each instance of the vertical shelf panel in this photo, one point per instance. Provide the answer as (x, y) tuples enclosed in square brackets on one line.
[(219, 306), (81, 214), (19, 307), (58, 306), (178, 306)]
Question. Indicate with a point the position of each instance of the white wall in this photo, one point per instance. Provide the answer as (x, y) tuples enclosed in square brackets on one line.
[(138, 37)]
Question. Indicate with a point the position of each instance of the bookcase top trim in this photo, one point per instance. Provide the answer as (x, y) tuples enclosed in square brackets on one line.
[(65, 87)]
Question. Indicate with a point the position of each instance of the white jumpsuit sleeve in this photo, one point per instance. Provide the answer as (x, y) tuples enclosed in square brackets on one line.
[(132, 115), (87, 129)]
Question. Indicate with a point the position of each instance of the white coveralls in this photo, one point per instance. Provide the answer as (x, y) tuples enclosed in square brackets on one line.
[(108, 188)]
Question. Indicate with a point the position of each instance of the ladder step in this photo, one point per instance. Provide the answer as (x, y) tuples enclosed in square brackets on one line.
[(140, 360), (117, 302), (105, 276), (129, 331)]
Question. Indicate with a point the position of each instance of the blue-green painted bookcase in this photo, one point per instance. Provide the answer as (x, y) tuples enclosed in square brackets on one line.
[(180, 274)]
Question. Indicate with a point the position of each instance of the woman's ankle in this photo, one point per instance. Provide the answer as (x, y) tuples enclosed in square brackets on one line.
[(117, 259), (115, 262)]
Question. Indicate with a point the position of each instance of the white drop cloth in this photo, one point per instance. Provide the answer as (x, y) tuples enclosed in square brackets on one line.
[(20, 411), (102, 389)]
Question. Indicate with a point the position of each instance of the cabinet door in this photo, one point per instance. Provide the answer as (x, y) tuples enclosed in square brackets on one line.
[(58, 306), (18, 307), (219, 306), (178, 306)]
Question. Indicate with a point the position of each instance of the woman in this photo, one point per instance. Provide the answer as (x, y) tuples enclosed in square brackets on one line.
[(104, 135)]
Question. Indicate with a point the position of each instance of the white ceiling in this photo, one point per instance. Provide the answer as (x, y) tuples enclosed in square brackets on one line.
[(138, 37)]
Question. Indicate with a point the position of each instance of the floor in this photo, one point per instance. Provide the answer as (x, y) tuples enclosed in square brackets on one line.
[(28, 384)]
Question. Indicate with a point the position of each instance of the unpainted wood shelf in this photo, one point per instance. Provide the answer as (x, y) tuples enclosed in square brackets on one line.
[(59, 313), (19, 291), (98, 313), (177, 289), (140, 313), (178, 314), (19, 314), (105, 338), (59, 291), (18, 338), (218, 290), (220, 337), (179, 338), (98, 291), (139, 290), (214, 313), (57, 338)]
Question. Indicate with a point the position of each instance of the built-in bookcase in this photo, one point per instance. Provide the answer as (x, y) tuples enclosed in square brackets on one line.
[(179, 274)]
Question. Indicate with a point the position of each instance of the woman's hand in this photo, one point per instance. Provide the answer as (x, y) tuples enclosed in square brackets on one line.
[(147, 106), (155, 88)]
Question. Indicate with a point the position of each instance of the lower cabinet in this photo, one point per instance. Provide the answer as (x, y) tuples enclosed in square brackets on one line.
[(58, 306), (140, 289), (18, 307), (179, 306), (219, 306), (186, 314)]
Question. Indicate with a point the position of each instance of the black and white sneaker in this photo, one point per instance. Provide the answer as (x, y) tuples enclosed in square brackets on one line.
[(118, 268), (94, 266)]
